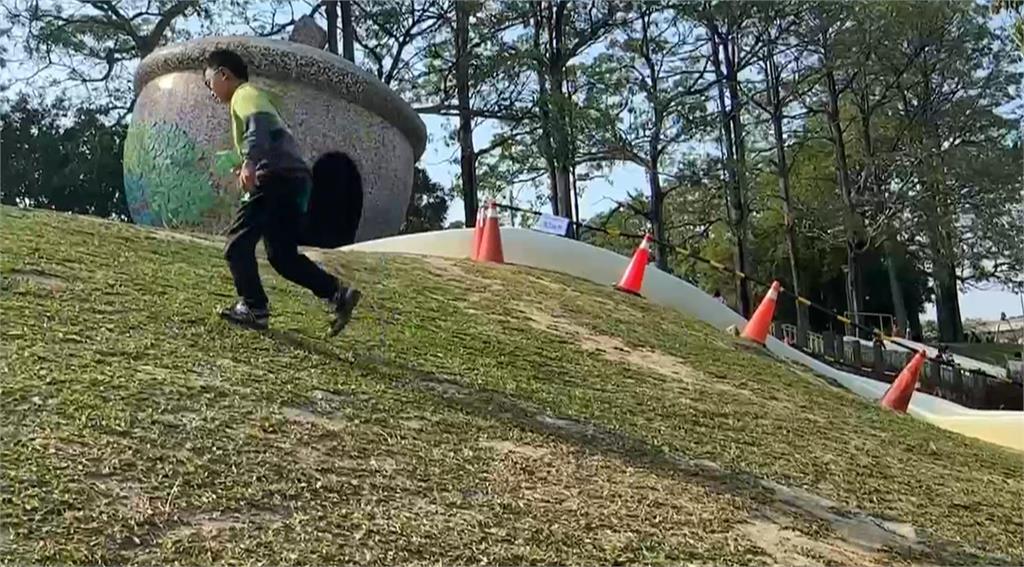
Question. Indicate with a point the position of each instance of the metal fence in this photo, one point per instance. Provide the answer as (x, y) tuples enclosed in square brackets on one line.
[(969, 388)]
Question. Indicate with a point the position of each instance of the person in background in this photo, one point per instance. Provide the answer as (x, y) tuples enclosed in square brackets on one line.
[(717, 295), (277, 183)]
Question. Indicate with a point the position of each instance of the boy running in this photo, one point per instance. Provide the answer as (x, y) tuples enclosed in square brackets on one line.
[(277, 183)]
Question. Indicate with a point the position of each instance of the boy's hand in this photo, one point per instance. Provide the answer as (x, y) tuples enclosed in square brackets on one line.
[(247, 176)]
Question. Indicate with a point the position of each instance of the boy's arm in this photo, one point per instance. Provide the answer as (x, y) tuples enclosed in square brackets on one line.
[(255, 145), (257, 120)]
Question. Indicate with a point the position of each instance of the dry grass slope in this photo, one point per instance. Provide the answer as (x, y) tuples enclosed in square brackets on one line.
[(470, 415)]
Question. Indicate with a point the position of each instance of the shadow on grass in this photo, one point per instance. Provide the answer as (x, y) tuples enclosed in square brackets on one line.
[(868, 532)]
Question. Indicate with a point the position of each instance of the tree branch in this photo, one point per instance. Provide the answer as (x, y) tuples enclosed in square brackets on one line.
[(165, 21)]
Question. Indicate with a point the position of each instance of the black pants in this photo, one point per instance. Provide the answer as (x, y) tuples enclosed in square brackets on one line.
[(274, 214)]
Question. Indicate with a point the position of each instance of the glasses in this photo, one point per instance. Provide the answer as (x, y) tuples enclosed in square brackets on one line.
[(207, 80)]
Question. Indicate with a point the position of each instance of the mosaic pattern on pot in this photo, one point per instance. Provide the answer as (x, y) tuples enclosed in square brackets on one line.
[(165, 178)]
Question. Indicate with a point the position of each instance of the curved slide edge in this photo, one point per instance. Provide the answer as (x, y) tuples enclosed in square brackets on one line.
[(530, 248)]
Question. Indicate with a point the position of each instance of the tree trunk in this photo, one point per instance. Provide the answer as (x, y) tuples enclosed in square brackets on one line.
[(657, 224), (735, 109), (654, 149), (573, 232), (873, 185), (898, 305), (782, 172), (540, 23), (916, 332), (725, 71), (944, 283), (560, 135), (332, 25), (467, 151), (845, 189), (947, 303), (348, 32), (939, 219)]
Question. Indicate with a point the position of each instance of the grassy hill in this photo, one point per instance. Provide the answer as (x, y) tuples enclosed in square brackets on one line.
[(470, 414)]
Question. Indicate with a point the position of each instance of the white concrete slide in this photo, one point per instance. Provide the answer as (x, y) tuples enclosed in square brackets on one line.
[(538, 250)]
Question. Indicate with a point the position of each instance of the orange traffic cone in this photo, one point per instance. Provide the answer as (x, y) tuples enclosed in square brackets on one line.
[(478, 232), (756, 328), (490, 241), (897, 397), (633, 279)]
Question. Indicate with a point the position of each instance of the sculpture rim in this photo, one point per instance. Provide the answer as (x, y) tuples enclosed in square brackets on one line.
[(291, 63)]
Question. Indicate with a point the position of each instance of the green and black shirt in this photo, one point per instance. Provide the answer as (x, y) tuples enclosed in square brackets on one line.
[(262, 137)]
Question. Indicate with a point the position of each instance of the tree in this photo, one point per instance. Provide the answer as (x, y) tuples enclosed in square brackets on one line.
[(621, 219), (508, 74), (87, 49), (785, 81), (648, 85), (470, 76), (418, 48), (1015, 7), (467, 157), (889, 50), (532, 57), (59, 157), (828, 34), (562, 31), (467, 76), (395, 36), (949, 102), (348, 32), (732, 50), (90, 45), (428, 204), (331, 9)]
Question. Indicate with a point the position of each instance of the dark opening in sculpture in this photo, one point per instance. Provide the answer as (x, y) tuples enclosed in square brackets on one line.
[(336, 204)]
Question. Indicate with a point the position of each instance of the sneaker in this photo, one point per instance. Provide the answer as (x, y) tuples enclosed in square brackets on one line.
[(242, 315), (344, 302)]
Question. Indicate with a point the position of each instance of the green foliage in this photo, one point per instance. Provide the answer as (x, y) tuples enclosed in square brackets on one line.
[(90, 47), (165, 176), (962, 150), (56, 156), (428, 204), (1016, 8), (621, 219)]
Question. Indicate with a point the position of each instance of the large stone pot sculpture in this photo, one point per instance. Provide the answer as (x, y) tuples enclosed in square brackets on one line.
[(173, 168)]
